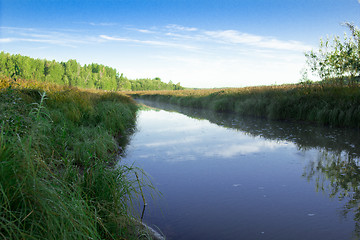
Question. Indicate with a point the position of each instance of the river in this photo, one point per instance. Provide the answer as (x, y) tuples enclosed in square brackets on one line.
[(225, 177)]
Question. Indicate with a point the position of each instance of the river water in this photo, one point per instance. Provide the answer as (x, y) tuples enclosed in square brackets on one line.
[(225, 177)]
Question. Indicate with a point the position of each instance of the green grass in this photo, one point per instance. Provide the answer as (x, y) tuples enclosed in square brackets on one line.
[(58, 178), (325, 104)]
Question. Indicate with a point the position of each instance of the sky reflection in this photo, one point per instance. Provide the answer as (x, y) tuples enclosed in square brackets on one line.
[(249, 177), (195, 137)]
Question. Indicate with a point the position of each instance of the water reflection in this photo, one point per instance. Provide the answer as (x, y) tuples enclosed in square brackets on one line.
[(264, 180), (338, 174), (304, 135)]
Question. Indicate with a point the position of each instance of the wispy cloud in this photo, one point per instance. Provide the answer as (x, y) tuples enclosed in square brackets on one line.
[(175, 27), (48, 41), (236, 37), (67, 38), (104, 24), (170, 36), (148, 42), (142, 30), (113, 38), (221, 39), (5, 40), (208, 42)]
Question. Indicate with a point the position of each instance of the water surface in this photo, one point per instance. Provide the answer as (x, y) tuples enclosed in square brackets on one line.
[(225, 177)]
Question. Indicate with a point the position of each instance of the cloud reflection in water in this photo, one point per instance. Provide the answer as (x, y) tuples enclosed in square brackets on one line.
[(195, 137)]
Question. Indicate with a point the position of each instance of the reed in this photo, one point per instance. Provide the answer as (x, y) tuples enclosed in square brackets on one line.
[(325, 104), (58, 178)]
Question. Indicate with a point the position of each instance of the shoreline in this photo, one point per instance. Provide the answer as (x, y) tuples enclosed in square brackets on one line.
[(327, 105)]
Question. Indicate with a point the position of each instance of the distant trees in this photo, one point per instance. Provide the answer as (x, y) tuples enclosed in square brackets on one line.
[(71, 73), (338, 60), (153, 84)]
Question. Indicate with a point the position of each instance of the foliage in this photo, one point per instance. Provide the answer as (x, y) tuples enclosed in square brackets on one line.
[(57, 150), (338, 60), (153, 84), (71, 73)]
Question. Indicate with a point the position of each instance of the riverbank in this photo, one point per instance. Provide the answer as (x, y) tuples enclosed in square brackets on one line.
[(330, 105), (58, 178)]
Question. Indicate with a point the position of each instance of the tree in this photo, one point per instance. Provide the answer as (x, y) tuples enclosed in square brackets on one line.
[(337, 60), (72, 71), (54, 72)]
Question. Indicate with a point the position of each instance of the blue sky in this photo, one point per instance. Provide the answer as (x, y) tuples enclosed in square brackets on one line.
[(199, 43)]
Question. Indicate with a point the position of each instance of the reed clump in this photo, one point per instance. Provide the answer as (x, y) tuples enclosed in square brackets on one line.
[(58, 178), (326, 104)]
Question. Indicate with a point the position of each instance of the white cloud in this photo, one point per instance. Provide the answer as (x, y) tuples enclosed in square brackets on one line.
[(232, 40), (48, 41), (141, 30), (149, 42), (175, 27), (113, 38), (144, 31), (6, 40), (67, 38), (104, 24), (236, 37), (195, 36)]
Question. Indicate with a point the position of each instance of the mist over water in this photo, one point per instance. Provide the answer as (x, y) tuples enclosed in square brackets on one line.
[(225, 177)]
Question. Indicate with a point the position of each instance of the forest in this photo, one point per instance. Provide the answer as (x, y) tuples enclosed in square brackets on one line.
[(72, 73)]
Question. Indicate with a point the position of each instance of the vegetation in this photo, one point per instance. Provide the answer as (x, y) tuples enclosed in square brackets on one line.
[(338, 62), (71, 73), (153, 84), (327, 104), (58, 178)]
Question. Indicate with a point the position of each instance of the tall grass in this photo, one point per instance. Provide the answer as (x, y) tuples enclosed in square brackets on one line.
[(57, 153), (326, 104)]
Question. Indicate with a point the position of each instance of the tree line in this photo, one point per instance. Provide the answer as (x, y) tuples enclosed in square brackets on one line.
[(72, 73)]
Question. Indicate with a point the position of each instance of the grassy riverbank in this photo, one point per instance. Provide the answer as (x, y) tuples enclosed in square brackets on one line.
[(57, 155), (324, 104)]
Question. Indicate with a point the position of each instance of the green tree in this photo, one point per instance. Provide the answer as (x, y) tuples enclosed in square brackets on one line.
[(3, 59), (37, 69), (54, 72), (10, 67), (73, 74), (72, 71), (86, 76), (337, 59)]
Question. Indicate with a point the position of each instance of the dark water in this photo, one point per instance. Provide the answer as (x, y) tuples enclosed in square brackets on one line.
[(225, 177)]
